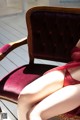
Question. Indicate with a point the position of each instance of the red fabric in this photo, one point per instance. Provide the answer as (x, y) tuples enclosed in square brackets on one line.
[(76, 54), (68, 65), (5, 48), (12, 84), (20, 80), (68, 79)]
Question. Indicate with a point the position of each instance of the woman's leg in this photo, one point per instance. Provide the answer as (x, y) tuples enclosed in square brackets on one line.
[(62, 101), (37, 90)]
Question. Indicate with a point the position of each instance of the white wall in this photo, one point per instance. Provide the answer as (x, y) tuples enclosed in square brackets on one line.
[(14, 3), (8, 7), (11, 6), (65, 3), (43, 2), (32, 3), (2, 3)]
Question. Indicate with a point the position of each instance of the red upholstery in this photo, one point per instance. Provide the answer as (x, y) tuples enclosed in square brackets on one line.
[(13, 83), (5, 48)]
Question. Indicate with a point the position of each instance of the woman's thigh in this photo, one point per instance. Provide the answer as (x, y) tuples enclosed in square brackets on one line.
[(45, 85), (62, 101)]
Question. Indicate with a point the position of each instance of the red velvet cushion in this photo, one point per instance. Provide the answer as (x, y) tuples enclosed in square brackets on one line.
[(5, 48), (13, 83)]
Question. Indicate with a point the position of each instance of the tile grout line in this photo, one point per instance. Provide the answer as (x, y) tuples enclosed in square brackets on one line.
[(8, 109)]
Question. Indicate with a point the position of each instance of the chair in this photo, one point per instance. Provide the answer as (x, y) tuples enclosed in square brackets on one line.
[(52, 33)]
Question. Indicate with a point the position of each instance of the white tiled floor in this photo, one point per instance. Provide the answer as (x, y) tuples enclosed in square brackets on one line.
[(12, 28), (10, 109)]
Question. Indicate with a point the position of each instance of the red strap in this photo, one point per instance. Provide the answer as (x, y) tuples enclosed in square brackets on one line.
[(69, 65)]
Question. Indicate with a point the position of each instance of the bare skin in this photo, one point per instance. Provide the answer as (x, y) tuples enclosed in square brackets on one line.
[(46, 97), (38, 90), (57, 103)]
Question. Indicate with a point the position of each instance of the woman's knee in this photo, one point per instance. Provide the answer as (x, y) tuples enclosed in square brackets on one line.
[(26, 99), (34, 114)]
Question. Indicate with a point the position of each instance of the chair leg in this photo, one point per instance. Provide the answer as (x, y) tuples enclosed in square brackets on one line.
[(0, 110), (0, 113)]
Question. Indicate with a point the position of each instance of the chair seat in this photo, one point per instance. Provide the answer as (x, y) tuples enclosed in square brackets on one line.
[(12, 84)]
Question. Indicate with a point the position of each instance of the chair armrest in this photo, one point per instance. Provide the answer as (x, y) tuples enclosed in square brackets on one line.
[(4, 50)]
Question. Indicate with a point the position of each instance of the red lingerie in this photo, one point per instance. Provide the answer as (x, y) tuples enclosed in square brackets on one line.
[(71, 81), (68, 80), (75, 55)]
